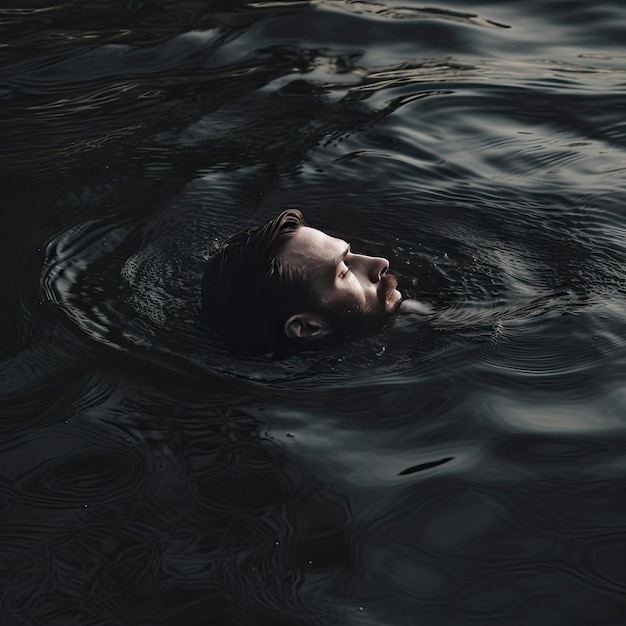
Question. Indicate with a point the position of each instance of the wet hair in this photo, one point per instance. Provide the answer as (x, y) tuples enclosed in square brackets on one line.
[(248, 292)]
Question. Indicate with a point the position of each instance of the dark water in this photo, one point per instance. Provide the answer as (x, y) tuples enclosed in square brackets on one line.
[(468, 470)]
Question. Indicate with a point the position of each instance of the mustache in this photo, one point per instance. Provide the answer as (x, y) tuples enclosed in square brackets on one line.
[(386, 287)]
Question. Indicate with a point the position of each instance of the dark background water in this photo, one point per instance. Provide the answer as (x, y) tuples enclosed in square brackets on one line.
[(465, 470)]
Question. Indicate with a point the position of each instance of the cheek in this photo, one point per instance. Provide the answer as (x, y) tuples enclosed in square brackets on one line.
[(348, 292), (363, 292)]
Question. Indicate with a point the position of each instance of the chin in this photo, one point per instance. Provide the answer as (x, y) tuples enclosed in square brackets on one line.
[(393, 301)]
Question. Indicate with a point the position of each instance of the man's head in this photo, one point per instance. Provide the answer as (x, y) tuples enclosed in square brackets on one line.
[(284, 284)]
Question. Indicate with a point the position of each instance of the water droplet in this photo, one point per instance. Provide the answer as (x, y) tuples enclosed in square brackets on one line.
[(361, 608), (290, 435)]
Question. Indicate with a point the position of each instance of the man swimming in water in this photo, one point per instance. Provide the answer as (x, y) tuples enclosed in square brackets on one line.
[(283, 285)]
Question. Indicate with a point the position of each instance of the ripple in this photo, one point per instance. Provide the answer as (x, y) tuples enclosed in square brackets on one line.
[(595, 410), (598, 561), (561, 456), (142, 298), (75, 476), (378, 10), (147, 302)]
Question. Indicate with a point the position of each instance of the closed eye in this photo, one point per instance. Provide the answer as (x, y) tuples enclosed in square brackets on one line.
[(342, 260)]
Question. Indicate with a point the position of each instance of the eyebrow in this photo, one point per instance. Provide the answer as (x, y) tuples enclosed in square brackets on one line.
[(343, 255), (333, 269)]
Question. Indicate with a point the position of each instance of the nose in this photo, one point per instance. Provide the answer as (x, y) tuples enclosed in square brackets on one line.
[(373, 266), (381, 265)]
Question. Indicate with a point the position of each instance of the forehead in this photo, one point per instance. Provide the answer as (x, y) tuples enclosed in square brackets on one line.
[(312, 248)]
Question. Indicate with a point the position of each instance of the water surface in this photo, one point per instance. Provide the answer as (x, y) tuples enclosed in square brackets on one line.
[(464, 470)]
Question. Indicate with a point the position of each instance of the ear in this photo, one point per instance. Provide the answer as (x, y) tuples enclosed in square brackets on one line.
[(305, 326)]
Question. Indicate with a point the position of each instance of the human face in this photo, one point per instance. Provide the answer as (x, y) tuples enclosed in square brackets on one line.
[(343, 279)]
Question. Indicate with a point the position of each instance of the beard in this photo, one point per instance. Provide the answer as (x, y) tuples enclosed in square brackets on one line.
[(386, 289), (355, 319)]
